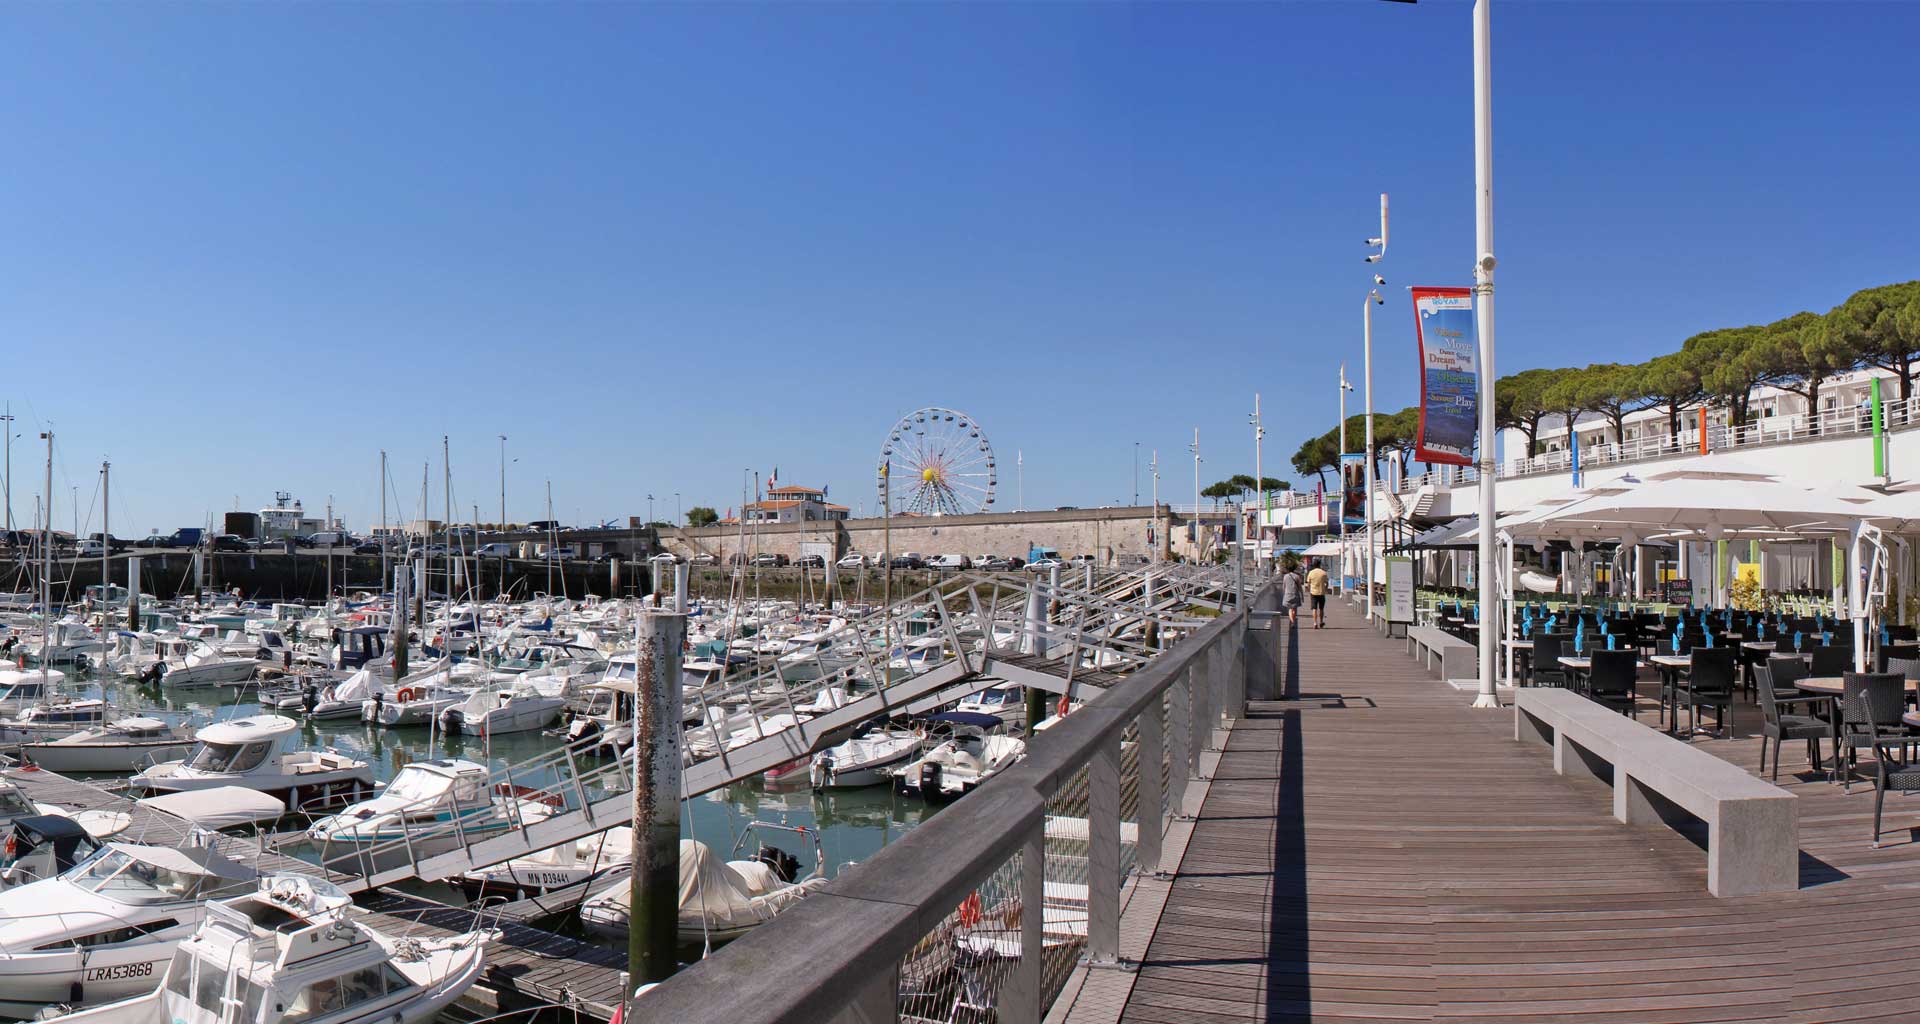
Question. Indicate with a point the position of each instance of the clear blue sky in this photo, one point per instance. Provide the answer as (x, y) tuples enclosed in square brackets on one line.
[(248, 246)]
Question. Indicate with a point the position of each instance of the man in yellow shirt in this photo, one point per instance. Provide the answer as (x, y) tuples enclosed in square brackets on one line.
[(1317, 593)]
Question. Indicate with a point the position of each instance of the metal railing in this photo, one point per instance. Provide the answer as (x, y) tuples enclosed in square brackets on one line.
[(984, 912)]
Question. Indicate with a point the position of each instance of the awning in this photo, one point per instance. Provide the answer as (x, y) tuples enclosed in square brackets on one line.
[(219, 807)]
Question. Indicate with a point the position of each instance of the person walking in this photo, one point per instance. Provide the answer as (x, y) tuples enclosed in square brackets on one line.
[(1317, 593), (1292, 588)]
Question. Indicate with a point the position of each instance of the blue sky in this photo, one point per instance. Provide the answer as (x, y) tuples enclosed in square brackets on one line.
[(247, 247)]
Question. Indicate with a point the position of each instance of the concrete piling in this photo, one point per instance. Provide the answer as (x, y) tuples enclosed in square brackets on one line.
[(652, 926)]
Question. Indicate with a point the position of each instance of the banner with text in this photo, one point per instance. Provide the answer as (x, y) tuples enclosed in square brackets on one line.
[(1449, 375), (1353, 489)]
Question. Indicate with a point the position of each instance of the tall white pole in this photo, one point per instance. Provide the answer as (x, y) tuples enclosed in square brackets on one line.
[(1340, 478), (1366, 334), (1196, 494), (1159, 538), (1259, 478), (1483, 262), (7, 419)]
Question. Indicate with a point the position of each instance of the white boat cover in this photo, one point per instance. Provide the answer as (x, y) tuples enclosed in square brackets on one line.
[(711, 887), (190, 860), (219, 807), (358, 686)]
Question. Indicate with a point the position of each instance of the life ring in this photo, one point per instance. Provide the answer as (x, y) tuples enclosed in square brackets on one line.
[(406, 695)]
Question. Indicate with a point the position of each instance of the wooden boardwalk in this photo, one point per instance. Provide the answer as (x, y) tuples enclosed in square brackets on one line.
[(1373, 849)]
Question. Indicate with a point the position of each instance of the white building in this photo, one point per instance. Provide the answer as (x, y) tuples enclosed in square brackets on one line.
[(286, 518), (1771, 410)]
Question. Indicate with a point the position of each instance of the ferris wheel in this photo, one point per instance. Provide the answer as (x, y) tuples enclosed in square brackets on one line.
[(937, 462)]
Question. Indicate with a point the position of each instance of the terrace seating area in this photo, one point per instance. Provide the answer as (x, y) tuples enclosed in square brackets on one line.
[(1372, 849)]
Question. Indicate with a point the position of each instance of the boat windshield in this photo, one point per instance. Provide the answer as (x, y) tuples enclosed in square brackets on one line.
[(12, 804), (228, 757), (123, 879), (413, 784)]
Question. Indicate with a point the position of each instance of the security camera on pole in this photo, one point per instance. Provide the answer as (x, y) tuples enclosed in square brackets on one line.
[(1366, 329)]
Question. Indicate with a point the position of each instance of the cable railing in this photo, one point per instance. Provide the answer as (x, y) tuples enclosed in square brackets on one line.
[(988, 910)]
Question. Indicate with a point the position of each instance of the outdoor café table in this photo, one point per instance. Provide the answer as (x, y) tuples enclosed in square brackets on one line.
[(1523, 653), (1832, 685), (1670, 666)]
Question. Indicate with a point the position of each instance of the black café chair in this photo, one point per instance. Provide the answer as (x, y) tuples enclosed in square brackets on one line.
[(1871, 700), (1870, 723), (1547, 670), (1610, 681), (1831, 661), (1784, 670), (1787, 714), (1709, 684)]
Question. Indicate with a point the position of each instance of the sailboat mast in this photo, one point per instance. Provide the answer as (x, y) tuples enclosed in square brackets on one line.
[(46, 559), (384, 575), (106, 533)]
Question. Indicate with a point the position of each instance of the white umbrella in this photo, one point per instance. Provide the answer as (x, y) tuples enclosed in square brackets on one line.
[(1712, 508)]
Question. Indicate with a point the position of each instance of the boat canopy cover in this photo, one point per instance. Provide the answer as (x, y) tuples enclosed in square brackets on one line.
[(248, 730), (973, 718), (711, 888), (190, 860), (219, 807)]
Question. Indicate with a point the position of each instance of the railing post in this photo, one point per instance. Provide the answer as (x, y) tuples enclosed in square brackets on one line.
[(1103, 854), (1019, 1001), (1150, 759), (1179, 740)]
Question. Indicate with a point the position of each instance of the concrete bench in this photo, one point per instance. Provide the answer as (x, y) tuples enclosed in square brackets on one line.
[(1753, 827), (1458, 659)]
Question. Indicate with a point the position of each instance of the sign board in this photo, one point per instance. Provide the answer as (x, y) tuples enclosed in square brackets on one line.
[(1449, 375), (1353, 489), (1677, 590), (1399, 588)]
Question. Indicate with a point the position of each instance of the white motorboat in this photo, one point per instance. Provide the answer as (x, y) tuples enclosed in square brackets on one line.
[(556, 867), (294, 951), (973, 751), (719, 900), (106, 928), (61, 717), (418, 699), (21, 689), (38, 846), (442, 803), (207, 666), (123, 745), (259, 753), (1006, 702), (867, 759), (14, 804), (497, 711)]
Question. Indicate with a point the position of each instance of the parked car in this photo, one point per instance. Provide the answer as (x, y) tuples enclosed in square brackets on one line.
[(1044, 564), (229, 542), (767, 559), (329, 539), (545, 526), (950, 562), (992, 563), (811, 561), (89, 549), (562, 553), (367, 547), (185, 537), (853, 561), (498, 549), (703, 558), (155, 541), (666, 558), (1081, 560), (910, 560)]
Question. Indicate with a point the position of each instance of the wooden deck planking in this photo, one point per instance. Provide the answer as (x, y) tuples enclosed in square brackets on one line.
[(1376, 850)]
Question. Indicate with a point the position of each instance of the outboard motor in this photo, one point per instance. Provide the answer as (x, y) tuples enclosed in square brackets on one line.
[(783, 864), (151, 676), (312, 698), (820, 772), (930, 779), (453, 719)]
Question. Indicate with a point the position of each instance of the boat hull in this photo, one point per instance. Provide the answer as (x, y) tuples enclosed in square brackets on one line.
[(104, 757)]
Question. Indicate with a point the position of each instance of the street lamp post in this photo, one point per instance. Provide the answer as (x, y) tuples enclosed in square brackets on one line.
[(1136, 472), (1259, 477), (1366, 332), (1195, 520), (1483, 263), (503, 482), (1340, 474)]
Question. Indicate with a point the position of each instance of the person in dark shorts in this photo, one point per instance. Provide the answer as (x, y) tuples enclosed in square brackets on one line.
[(1317, 593)]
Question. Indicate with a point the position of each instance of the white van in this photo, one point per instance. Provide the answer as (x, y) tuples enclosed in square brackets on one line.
[(330, 539), (498, 549)]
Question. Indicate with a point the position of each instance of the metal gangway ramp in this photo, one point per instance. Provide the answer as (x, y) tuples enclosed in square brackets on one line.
[(1078, 635)]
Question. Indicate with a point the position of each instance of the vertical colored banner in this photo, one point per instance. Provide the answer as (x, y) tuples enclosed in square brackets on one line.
[(1353, 489), (1879, 433), (1449, 376), (1573, 453), (1703, 430)]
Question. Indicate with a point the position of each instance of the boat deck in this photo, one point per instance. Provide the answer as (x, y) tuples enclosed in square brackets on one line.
[(1372, 849), (526, 966)]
